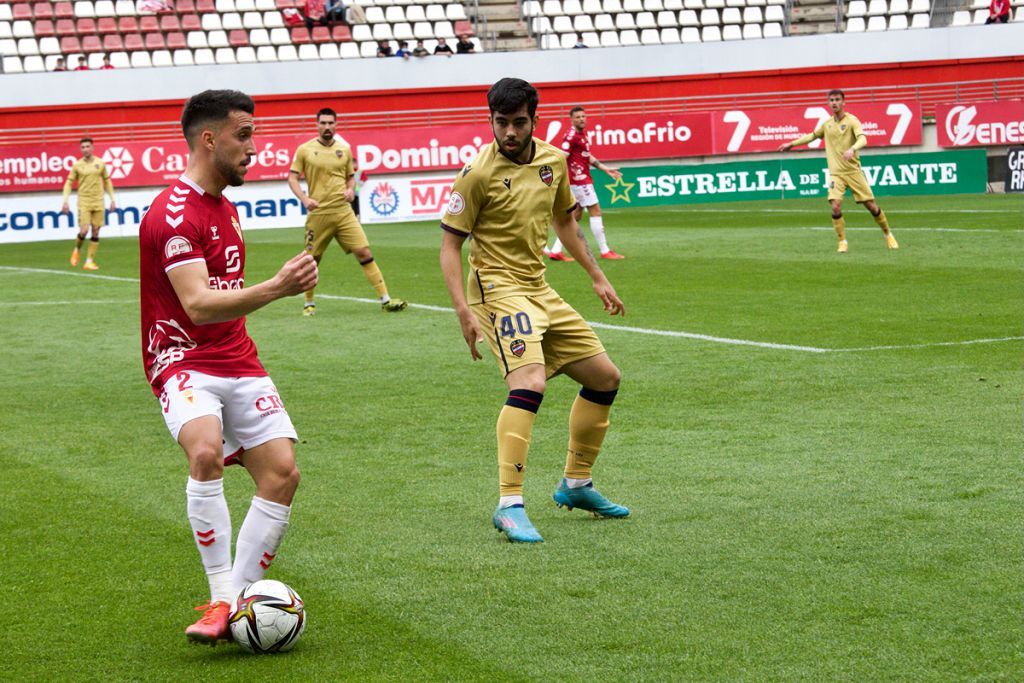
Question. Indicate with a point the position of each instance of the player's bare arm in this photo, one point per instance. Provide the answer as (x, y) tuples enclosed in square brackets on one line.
[(203, 305), (569, 231), (613, 171), (296, 188), (451, 267)]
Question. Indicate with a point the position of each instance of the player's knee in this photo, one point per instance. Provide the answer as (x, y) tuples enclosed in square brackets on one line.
[(206, 460), (289, 481), (610, 381), (536, 384)]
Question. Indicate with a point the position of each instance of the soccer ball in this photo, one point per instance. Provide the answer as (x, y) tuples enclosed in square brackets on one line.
[(268, 616)]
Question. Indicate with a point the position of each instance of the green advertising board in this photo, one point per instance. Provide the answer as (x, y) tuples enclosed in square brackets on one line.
[(952, 172)]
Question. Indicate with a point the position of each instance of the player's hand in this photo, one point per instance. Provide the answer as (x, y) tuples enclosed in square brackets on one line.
[(785, 146), (298, 274), (65, 208), (350, 195), (614, 173), (471, 333), (113, 206), (310, 203), (606, 293), (848, 154)]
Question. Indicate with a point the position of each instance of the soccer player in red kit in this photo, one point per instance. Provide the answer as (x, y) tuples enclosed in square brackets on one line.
[(217, 400), (576, 146)]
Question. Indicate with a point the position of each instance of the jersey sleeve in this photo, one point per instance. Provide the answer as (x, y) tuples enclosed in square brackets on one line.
[(72, 177), (350, 166), (855, 127), (567, 141), (469, 195), (564, 199), (299, 161), (819, 132), (180, 245)]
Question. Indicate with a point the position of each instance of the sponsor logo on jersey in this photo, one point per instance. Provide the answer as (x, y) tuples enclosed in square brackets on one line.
[(546, 175), (269, 405), (517, 347), (177, 245), (519, 467), (232, 259), (466, 170), (456, 204), (236, 226), (213, 229), (384, 199), (508, 183)]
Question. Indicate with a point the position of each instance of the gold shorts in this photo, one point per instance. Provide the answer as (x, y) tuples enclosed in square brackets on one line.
[(344, 227), (857, 183), (536, 329), (95, 218)]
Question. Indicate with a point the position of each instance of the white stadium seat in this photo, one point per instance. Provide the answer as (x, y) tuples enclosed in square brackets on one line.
[(162, 58), (23, 29), (855, 25), (245, 5), (688, 17), (920, 6), (211, 21), (898, 22), (551, 8), (591, 38), (123, 8), (444, 29), (287, 53), (308, 52), (876, 24), (5, 12), (708, 17), (368, 50), (273, 19), (331, 51), (196, 39), (673, 5), (27, 46), (225, 6), (752, 15), (650, 36), (645, 20), (415, 13), (773, 30), (12, 65), (5, 29), (258, 37), (920, 21), (582, 23), (204, 56), (83, 9), (231, 21), (183, 58), (33, 64), (695, 5), (266, 5), (266, 53), (561, 25), (857, 8), (630, 37), (751, 31), (774, 13), (8, 47), (252, 20), (246, 55), (961, 18), (609, 39), (279, 36), (225, 55), (732, 32), (592, 7), (624, 21), (382, 32), (217, 39), (572, 8), (104, 8), (612, 6), (362, 33), (434, 13), (541, 25), (421, 29), (877, 8), (710, 34), (604, 22), (669, 35), (403, 31), (455, 12), (567, 40), (667, 19), (393, 14), (689, 34), (374, 15), (899, 7), (531, 8), (141, 60), (731, 15)]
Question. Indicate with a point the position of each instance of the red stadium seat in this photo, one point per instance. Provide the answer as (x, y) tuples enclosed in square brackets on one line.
[(191, 22), (341, 33), (133, 42), (70, 44), (149, 24), (176, 41), (86, 25), (113, 43), (128, 25), (42, 10), (203, 6), (185, 6), (169, 22), (321, 34), (285, 4), (22, 11), (300, 35), (238, 38), (91, 44), (105, 25), (155, 41), (44, 28), (64, 10), (463, 26), (66, 27)]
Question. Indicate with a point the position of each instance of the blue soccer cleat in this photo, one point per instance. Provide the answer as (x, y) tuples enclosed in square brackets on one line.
[(516, 526), (587, 498)]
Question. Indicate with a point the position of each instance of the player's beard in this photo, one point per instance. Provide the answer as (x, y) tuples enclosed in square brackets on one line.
[(327, 136), (229, 171)]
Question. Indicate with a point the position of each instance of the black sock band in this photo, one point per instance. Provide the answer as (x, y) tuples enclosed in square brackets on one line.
[(369, 260), (94, 239), (524, 399), (603, 398)]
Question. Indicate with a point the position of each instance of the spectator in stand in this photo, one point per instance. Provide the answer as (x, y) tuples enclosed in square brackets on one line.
[(998, 12), (153, 6), (384, 48), (82, 64), (443, 48), (338, 11), (316, 13), (465, 46), (403, 52), (60, 65), (420, 50), (106, 63), (579, 42)]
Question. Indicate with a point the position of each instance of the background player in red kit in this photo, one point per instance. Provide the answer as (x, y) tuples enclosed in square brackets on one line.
[(576, 146), (217, 399)]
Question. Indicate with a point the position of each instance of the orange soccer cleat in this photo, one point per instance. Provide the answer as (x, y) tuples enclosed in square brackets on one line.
[(610, 254), (559, 256), (212, 626), (75, 255)]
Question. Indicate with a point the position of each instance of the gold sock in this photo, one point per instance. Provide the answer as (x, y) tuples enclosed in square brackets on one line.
[(309, 295), (882, 221), (376, 280), (93, 247), (588, 423), (515, 426), (79, 241), (840, 226)]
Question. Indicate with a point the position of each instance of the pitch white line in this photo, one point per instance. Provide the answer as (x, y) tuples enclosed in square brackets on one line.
[(605, 326), (84, 302), (915, 211), (824, 229)]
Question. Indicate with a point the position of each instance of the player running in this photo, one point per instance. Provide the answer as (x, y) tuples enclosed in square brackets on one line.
[(843, 138), (576, 146), (505, 199), (90, 172), (330, 175), (217, 399)]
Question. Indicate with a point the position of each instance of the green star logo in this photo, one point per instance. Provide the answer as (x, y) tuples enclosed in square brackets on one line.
[(620, 190)]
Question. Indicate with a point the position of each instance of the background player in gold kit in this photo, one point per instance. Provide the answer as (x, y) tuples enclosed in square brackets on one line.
[(506, 198), (843, 137), (91, 175), (330, 176)]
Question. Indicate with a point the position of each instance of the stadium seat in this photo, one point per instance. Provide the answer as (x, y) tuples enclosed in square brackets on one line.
[(856, 8), (592, 7), (187, 7), (83, 8), (8, 47), (455, 12), (127, 25), (362, 32), (308, 52), (531, 8), (752, 32), (155, 41), (775, 13), (645, 20), (224, 55), (119, 60), (591, 38), (382, 32), (124, 8), (196, 40), (266, 53), (22, 11), (572, 8), (343, 34), (103, 26), (191, 22), (183, 57), (49, 46), (752, 15), (176, 41), (714, 4), (266, 5), (300, 34), (624, 21), (731, 15), (273, 19), (225, 6), (284, 4), (86, 25), (920, 21), (689, 34), (898, 7), (252, 20), (444, 29), (604, 22), (22, 29), (898, 22), (169, 23), (695, 5), (562, 24), (581, 23), (551, 8), (667, 19), (629, 38), (33, 64), (104, 8), (148, 24), (162, 58), (258, 37), (688, 17), (95, 60), (5, 29), (402, 31), (961, 18), (239, 38), (12, 65), (287, 53), (877, 8), (708, 17), (416, 14), (673, 5), (669, 35), (920, 6), (349, 50), (63, 10), (245, 5), (42, 10), (246, 55), (394, 14), (204, 56), (113, 43), (421, 29), (70, 44), (89, 44), (141, 60), (375, 15), (232, 21), (732, 32), (773, 30), (329, 51), (217, 39), (204, 6), (632, 6), (5, 12), (541, 25), (612, 6), (855, 25), (64, 27), (280, 36), (434, 13), (609, 39), (650, 36), (710, 34), (876, 24), (368, 49), (133, 42)]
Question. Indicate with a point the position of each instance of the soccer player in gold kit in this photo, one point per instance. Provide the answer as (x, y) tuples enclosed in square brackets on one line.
[(843, 138), (505, 199), (329, 168), (91, 175)]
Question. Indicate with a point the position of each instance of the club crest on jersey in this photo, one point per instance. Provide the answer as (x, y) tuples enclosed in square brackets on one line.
[(517, 347), (842, 127), (238, 228), (338, 153), (547, 175), (177, 245), (456, 204)]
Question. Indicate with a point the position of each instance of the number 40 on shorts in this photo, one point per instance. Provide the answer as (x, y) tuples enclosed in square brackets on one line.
[(508, 325)]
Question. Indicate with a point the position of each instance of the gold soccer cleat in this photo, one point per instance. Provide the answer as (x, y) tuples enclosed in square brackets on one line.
[(843, 247), (891, 242), (89, 265)]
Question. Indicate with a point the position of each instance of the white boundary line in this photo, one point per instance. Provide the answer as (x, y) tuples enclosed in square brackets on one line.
[(604, 326), (84, 302)]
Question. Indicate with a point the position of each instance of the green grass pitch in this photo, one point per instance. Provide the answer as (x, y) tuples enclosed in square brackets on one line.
[(833, 511)]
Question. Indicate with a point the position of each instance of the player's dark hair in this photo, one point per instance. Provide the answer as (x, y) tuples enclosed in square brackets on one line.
[(326, 111), (89, 140), (837, 92), (210, 106), (575, 109), (508, 96)]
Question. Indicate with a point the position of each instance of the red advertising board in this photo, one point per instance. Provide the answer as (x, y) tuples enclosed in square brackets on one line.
[(738, 131), (654, 136), (968, 124)]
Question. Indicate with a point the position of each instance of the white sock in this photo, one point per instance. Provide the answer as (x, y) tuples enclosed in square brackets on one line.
[(509, 501), (384, 299), (597, 227), (577, 483), (556, 248), (258, 540), (211, 528)]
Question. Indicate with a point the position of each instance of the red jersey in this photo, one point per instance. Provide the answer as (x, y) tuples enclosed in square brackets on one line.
[(577, 145), (186, 225)]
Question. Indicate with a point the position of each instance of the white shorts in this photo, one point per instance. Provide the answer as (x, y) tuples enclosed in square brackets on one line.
[(249, 409), (584, 195)]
